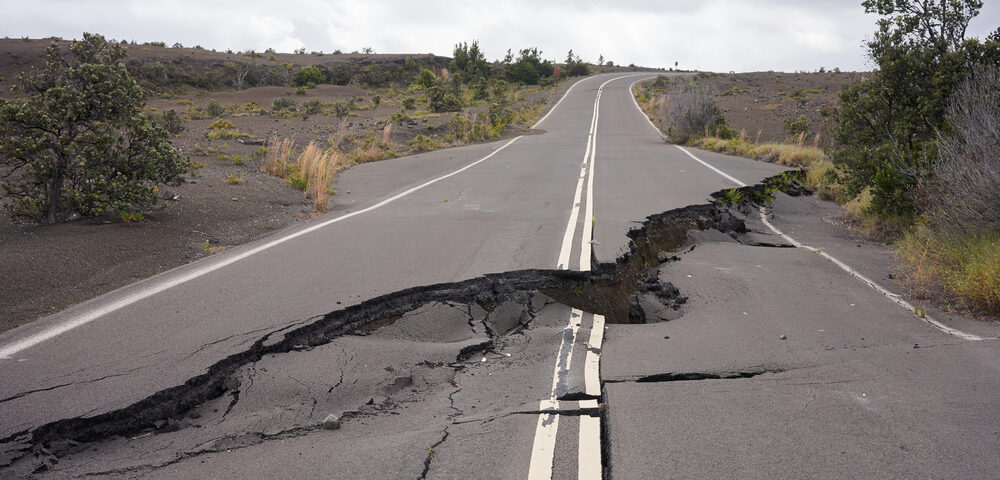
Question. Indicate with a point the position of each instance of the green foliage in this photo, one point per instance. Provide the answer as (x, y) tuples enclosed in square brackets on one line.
[(443, 98), (730, 196), (214, 109), (398, 117), (78, 143), (469, 61), (888, 125), (409, 103), (575, 67), (796, 127), (309, 75), (529, 68), (426, 78), (170, 122), (282, 103)]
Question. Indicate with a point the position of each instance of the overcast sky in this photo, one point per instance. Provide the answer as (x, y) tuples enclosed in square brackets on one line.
[(717, 35)]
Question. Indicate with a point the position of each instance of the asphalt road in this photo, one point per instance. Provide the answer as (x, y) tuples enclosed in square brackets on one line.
[(500, 389)]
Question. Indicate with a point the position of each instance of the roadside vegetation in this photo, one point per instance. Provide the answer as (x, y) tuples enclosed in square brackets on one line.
[(78, 144), (914, 151)]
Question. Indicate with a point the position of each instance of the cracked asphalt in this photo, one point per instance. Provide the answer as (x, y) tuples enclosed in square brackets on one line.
[(776, 363)]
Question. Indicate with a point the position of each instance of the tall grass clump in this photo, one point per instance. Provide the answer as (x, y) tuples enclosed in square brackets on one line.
[(311, 170)]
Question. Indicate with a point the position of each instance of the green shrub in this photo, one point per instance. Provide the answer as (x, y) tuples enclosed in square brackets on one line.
[(214, 109), (426, 78), (795, 128), (309, 75), (77, 143), (441, 99), (282, 103), (409, 103), (171, 122)]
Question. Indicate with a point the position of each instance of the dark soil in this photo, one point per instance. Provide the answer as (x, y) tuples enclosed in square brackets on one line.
[(760, 102)]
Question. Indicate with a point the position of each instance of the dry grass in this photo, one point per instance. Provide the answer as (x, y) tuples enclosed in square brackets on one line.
[(789, 154), (964, 266), (311, 171)]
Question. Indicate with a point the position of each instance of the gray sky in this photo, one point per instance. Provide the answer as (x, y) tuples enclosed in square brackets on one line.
[(718, 35)]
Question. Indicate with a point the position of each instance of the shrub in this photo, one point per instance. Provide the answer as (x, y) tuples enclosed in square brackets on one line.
[(426, 78), (77, 143), (309, 75), (409, 103), (171, 122), (443, 100), (962, 194), (795, 128), (221, 124), (282, 103), (214, 109), (691, 111)]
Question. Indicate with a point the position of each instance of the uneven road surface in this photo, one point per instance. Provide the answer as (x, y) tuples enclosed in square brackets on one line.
[(473, 313)]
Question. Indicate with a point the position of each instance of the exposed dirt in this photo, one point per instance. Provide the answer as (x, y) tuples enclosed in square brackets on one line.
[(759, 103)]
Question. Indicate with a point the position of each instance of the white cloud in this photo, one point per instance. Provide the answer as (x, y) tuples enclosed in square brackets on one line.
[(718, 35)]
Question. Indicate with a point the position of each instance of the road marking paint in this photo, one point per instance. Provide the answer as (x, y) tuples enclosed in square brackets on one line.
[(544, 446), (871, 283), (592, 365), (574, 215), (847, 268), (540, 120), (564, 360), (543, 449), (589, 453), (588, 217), (147, 292)]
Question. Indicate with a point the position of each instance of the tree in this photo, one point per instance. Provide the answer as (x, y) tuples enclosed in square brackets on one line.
[(469, 59), (78, 142), (887, 125), (575, 66)]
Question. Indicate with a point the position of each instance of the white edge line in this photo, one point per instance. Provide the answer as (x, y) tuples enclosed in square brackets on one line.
[(847, 268), (543, 448), (88, 317), (589, 452), (539, 122)]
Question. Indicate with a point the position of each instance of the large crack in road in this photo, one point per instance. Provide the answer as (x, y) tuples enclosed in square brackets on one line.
[(490, 315)]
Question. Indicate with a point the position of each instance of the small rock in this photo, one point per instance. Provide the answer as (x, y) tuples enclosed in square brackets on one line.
[(331, 422), (666, 337), (782, 338), (235, 199)]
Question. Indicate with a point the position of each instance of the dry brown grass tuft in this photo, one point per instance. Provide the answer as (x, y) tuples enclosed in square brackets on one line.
[(311, 171)]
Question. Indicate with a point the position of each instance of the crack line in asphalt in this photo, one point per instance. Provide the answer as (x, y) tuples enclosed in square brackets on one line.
[(603, 290), (156, 288)]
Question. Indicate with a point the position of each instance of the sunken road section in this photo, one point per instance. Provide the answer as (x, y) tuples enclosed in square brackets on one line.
[(624, 292)]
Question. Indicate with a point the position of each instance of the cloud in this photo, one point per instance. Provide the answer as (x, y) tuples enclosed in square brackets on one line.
[(718, 35)]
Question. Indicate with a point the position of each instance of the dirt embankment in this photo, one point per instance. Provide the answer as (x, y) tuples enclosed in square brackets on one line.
[(760, 102)]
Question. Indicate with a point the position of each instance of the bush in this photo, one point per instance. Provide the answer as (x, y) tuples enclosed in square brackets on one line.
[(309, 75), (441, 99), (171, 122), (691, 112), (282, 103), (795, 128), (78, 142), (576, 67), (409, 103), (426, 78), (214, 109), (963, 194)]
